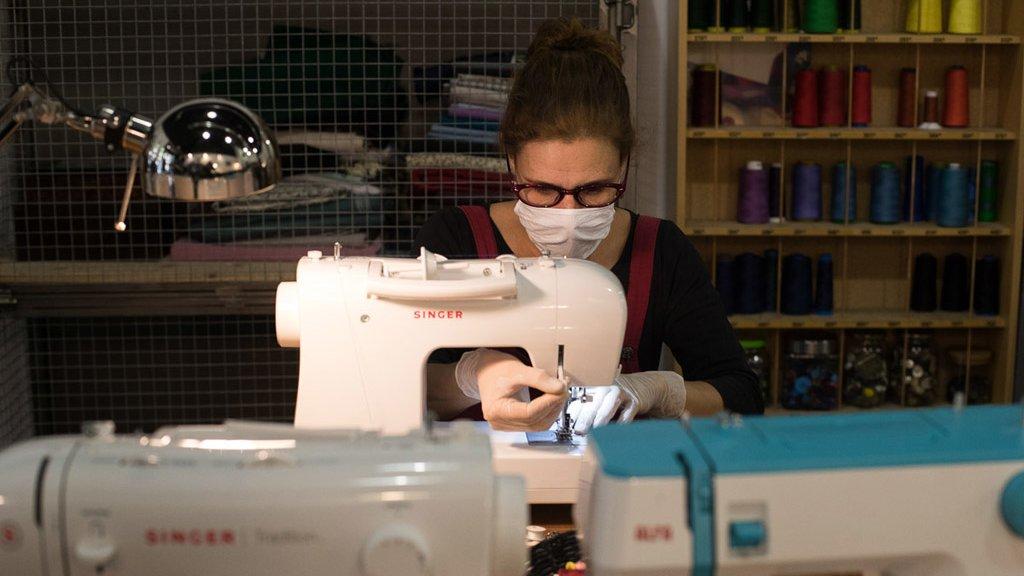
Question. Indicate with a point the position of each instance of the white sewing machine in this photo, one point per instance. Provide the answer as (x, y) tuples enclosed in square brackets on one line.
[(366, 326), (259, 500), (937, 492)]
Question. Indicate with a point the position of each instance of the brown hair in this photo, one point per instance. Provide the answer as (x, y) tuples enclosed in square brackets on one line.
[(571, 86)]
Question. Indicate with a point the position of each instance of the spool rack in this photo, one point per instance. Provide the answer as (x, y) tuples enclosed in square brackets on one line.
[(873, 263)]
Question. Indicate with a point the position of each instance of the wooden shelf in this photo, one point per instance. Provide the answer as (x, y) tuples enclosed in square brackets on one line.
[(869, 133), (828, 229), (144, 272), (779, 411), (880, 319), (858, 38)]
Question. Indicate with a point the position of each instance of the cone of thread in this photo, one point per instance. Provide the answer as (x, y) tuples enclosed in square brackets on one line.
[(956, 112), (906, 117), (924, 16), (805, 100), (762, 16), (700, 14), (965, 17), (821, 16)]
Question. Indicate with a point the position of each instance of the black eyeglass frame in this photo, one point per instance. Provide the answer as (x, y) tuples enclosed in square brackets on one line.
[(518, 188)]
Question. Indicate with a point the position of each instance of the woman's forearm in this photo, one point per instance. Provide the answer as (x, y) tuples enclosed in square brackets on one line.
[(702, 399), (444, 398)]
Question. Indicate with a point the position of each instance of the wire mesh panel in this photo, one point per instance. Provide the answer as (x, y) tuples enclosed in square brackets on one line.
[(385, 111), (147, 372), (15, 388)]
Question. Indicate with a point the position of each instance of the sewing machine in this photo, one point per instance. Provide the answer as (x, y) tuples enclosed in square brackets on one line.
[(936, 492), (259, 500), (365, 328)]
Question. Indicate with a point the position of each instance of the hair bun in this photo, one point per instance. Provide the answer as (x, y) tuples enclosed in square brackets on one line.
[(573, 36)]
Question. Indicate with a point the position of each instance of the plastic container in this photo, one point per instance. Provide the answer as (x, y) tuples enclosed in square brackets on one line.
[(811, 375), (758, 360), (867, 377)]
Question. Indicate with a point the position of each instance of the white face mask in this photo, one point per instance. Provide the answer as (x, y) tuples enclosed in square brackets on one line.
[(570, 232)]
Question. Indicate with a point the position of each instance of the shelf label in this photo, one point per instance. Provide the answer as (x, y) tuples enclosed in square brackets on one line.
[(804, 38), (834, 135), (700, 38), (968, 135), (963, 232), (767, 232), (736, 38), (935, 135), (697, 134), (957, 323), (771, 38), (762, 324), (1006, 40), (839, 39), (905, 39), (799, 231), (868, 135), (938, 40), (768, 134), (995, 232), (735, 134), (866, 232), (802, 134), (894, 323), (971, 40), (698, 231), (832, 232), (999, 135), (899, 135), (830, 324), (871, 39), (990, 323), (797, 324), (732, 231), (860, 323), (926, 324), (930, 232), (898, 232)]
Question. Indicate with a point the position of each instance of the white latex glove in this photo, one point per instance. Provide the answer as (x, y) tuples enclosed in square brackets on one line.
[(658, 394), (500, 381)]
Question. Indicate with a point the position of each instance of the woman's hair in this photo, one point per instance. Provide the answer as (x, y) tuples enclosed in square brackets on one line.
[(570, 87)]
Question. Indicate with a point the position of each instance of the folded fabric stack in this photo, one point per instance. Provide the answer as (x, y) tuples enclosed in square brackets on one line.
[(477, 105), (472, 177), (301, 205)]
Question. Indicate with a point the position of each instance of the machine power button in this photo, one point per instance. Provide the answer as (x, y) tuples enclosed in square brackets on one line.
[(747, 534), (1012, 504), (396, 549)]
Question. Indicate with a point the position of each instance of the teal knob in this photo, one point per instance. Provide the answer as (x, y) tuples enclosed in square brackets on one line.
[(1012, 504)]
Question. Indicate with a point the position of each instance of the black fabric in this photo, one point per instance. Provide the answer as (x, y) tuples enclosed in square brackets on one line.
[(684, 310)]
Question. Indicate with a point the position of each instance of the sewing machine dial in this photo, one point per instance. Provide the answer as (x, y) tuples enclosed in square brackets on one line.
[(395, 549)]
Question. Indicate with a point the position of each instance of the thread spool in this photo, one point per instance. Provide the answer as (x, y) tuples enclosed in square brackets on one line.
[(734, 15), (806, 191), (821, 16), (922, 287), (791, 16), (771, 273), (956, 113), (987, 203), (885, 193), (702, 96), (844, 193), (861, 96), (774, 192), (924, 16), (913, 195), (796, 284), (700, 14), (831, 97), (964, 17), (986, 286), (952, 201), (752, 207), (933, 189), (762, 16), (823, 291), (907, 96), (750, 283), (725, 282), (955, 284), (931, 111), (849, 16), (805, 99), (972, 192)]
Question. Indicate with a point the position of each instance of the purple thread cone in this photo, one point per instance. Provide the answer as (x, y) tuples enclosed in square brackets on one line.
[(753, 202), (806, 191)]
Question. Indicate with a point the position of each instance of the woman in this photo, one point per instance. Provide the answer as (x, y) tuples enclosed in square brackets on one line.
[(567, 137)]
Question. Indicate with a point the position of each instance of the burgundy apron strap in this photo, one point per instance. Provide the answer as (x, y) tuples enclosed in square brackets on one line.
[(483, 231), (641, 266)]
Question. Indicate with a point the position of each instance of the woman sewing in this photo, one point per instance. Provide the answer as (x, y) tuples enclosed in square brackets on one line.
[(567, 137)]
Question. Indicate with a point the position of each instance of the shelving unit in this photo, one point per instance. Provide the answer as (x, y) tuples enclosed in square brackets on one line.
[(873, 263)]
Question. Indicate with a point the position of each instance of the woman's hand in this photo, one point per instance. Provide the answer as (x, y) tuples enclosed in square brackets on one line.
[(658, 394), (501, 381)]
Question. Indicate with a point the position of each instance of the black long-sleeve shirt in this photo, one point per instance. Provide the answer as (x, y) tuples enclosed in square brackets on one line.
[(684, 310)]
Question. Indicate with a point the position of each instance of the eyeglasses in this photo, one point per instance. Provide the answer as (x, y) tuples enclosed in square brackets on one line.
[(594, 195)]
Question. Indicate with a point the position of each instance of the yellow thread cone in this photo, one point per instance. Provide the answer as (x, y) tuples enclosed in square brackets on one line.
[(965, 17), (924, 16)]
